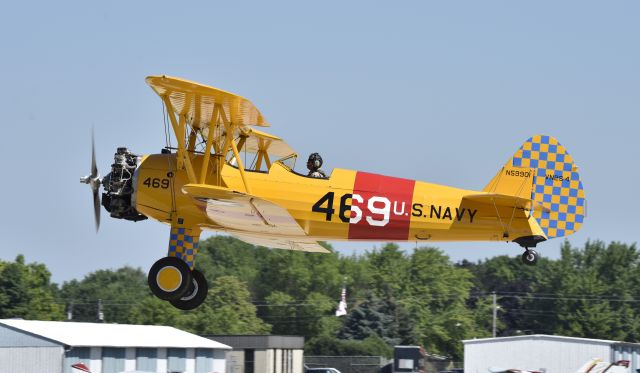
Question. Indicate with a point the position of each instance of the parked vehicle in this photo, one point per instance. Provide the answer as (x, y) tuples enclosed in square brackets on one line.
[(599, 366), (322, 370)]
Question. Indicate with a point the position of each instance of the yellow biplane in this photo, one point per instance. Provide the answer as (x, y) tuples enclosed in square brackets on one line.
[(226, 174)]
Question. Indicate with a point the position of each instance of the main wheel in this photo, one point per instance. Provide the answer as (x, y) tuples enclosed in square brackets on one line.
[(169, 278), (196, 293), (530, 257)]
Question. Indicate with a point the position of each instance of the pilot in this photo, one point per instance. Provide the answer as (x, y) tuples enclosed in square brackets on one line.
[(313, 164)]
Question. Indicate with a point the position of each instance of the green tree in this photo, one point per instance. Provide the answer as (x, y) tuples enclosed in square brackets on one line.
[(589, 292), (281, 312), (331, 346), (119, 290), (380, 317), (437, 296), (389, 270), (286, 271), (154, 311), (227, 310), (227, 256), (597, 291), (514, 283), (318, 316), (309, 317), (357, 274), (26, 292)]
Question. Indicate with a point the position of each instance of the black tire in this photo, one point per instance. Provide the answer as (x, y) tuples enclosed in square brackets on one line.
[(179, 273), (195, 295), (530, 257)]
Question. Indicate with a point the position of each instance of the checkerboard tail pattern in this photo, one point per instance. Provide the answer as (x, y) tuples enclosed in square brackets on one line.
[(183, 243), (557, 185)]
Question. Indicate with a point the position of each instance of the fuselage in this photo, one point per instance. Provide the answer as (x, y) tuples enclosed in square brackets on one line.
[(349, 205)]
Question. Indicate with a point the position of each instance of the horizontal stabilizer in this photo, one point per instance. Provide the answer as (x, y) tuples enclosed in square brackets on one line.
[(500, 200)]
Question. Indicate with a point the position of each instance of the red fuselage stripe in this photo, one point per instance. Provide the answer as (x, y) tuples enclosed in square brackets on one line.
[(386, 207)]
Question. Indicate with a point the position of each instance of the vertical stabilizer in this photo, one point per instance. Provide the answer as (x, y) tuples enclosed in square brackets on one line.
[(543, 168)]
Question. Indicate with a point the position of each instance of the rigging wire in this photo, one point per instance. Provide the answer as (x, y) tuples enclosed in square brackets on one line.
[(167, 134), (171, 168)]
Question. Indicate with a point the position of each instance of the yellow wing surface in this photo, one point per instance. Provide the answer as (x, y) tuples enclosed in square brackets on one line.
[(252, 219), (257, 141), (223, 120), (199, 102)]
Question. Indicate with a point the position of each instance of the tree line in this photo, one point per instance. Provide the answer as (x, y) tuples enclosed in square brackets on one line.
[(394, 297)]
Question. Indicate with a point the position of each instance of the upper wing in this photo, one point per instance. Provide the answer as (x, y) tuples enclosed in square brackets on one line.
[(197, 102), (207, 109), (252, 219)]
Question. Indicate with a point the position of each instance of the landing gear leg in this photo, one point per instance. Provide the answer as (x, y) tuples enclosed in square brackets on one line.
[(530, 257)]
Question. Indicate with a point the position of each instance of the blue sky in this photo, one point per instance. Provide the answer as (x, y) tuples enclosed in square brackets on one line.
[(435, 91)]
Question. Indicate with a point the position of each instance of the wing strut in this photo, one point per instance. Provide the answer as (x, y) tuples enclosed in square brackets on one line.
[(179, 128), (207, 150), (219, 116), (240, 166)]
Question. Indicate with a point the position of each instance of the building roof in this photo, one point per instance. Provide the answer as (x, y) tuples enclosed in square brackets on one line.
[(82, 334), (541, 337), (261, 341)]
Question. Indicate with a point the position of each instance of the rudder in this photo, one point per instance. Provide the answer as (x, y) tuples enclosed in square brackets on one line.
[(557, 192)]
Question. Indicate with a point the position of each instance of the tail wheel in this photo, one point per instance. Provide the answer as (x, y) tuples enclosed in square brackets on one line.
[(530, 257), (195, 294), (169, 278)]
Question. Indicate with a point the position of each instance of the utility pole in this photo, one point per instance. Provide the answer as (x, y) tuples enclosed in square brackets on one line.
[(495, 313)]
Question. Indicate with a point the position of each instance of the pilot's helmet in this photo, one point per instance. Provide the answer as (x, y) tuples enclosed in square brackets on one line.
[(314, 162)]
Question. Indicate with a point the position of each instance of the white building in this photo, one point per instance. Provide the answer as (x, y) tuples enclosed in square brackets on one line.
[(28, 346), (546, 353), (264, 353)]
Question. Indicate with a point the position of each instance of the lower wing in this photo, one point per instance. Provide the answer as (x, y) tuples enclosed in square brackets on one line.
[(252, 219)]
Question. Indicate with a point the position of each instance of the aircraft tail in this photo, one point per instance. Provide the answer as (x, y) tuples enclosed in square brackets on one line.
[(543, 171)]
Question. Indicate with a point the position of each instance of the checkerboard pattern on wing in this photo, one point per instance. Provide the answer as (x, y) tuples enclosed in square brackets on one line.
[(184, 245), (557, 185)]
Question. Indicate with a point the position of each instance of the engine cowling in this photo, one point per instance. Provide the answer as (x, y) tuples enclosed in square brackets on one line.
[(119, 187)]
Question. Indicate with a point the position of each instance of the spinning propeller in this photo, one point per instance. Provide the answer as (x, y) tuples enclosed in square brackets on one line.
[(94, 180)]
